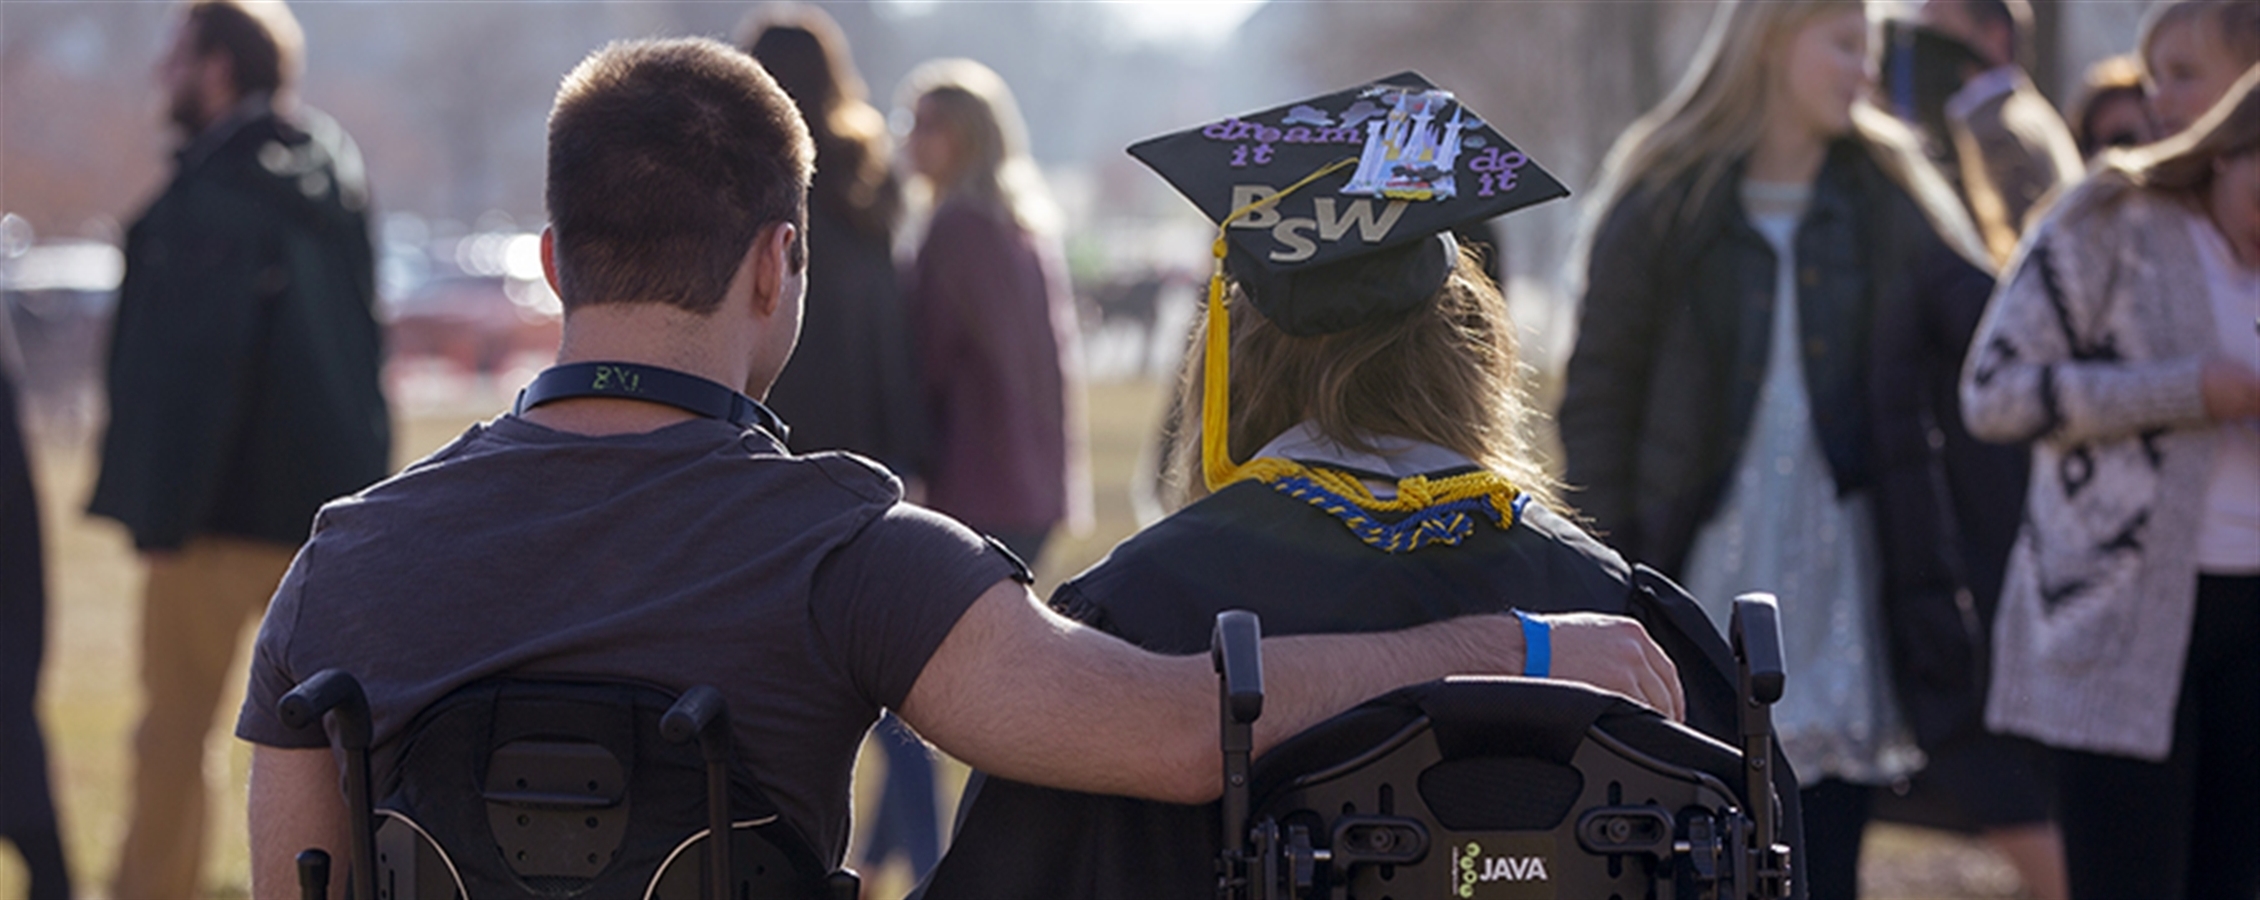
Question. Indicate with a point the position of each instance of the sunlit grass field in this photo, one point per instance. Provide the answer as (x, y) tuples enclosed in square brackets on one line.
[(90, 697)]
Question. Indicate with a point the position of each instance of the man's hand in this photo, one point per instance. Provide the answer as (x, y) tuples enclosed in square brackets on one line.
[(1614, 653)]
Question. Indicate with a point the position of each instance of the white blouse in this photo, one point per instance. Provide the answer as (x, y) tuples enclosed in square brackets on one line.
[(2228, 537), (1782, 528)]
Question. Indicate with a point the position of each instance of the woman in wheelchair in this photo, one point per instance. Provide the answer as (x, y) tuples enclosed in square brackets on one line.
[(1369, 379)]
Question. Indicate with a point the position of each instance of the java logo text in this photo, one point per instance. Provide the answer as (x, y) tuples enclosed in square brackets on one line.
[(1474, 868)]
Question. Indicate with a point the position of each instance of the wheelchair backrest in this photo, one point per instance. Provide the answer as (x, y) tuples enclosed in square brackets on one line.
[(1498, 788), (564, 788), (1502, 789)]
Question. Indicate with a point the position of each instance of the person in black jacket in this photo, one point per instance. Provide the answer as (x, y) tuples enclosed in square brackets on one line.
[(1736, 412), (27, 802), (243, 390)]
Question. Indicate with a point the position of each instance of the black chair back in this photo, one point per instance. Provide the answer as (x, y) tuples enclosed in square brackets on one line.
[(563, 789)]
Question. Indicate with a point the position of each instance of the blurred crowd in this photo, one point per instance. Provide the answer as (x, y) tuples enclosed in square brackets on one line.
[(1970, 380)]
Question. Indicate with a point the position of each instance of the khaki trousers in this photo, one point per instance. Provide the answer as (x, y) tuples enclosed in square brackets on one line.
[(194, 609)]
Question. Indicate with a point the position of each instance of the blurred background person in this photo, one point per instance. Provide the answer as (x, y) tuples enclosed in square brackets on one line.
[(243, 390), (850, 385), (1921, 68), (2011, 148), (2191, 51), (992, 316), (2109, 111), (1725, 416), (27, 802), (1993, 135), (2124, 348)]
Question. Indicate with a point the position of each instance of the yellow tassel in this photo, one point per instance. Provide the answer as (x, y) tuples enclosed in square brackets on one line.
[(1217, 468)]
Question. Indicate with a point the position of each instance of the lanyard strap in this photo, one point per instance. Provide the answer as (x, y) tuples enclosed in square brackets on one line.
[(651, 384)]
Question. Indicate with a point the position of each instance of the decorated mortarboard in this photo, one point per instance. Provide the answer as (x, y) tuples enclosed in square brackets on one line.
[(1332, 213), (1363, 186)]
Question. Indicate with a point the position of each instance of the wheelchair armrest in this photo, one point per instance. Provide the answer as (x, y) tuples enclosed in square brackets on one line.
[(330, 690)]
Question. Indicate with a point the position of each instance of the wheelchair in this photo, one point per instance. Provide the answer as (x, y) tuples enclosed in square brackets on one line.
[(555, 789), (1503, 789)]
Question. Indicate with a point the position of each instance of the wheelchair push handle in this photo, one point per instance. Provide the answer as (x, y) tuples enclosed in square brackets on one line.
[(1756, 632), (330, 691), (1236, 649), (313, 875), (335, 693), (1756, 635), (698, 714), (701, 714)]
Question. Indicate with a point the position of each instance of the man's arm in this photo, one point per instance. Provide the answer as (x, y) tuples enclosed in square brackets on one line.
[(295, 805), (1021, 692)]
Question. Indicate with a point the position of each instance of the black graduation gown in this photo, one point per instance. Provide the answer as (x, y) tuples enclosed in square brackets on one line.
[(1251, 547)]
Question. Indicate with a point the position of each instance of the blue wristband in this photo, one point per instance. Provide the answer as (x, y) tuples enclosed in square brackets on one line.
[(1537, 645)]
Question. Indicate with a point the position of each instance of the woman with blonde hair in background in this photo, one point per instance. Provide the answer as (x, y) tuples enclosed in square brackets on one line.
[(1778, 287), (992, 316), (2191, 51), (2122, 345)]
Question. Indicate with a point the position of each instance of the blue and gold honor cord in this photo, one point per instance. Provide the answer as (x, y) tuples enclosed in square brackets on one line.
[(1441, 510)]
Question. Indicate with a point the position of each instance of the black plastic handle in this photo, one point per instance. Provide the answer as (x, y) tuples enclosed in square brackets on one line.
[(1236, 649), (1756, 631), (701, 714), (313, 875), (330, 690), (692, 713), (335, 693), (1762, 864)]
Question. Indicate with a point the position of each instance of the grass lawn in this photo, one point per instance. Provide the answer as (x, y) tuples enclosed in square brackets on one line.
[(90, 697)]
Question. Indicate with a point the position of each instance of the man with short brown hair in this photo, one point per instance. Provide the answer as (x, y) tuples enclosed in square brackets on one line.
[(243, 390)]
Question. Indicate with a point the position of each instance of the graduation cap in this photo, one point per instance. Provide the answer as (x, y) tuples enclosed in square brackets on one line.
[(1335, 212), (1364, 186)]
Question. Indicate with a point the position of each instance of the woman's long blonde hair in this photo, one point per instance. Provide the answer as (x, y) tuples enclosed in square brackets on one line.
[(1447, 374), (1713, 119), (977, 107)]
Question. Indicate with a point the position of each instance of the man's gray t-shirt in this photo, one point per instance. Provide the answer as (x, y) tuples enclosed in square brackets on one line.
[(802, 587)]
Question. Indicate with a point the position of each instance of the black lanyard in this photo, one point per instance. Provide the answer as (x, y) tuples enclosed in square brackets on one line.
[(652, 384)]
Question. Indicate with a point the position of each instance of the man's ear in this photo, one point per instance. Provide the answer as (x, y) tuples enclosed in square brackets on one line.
[(549, 259), (771, 261)]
